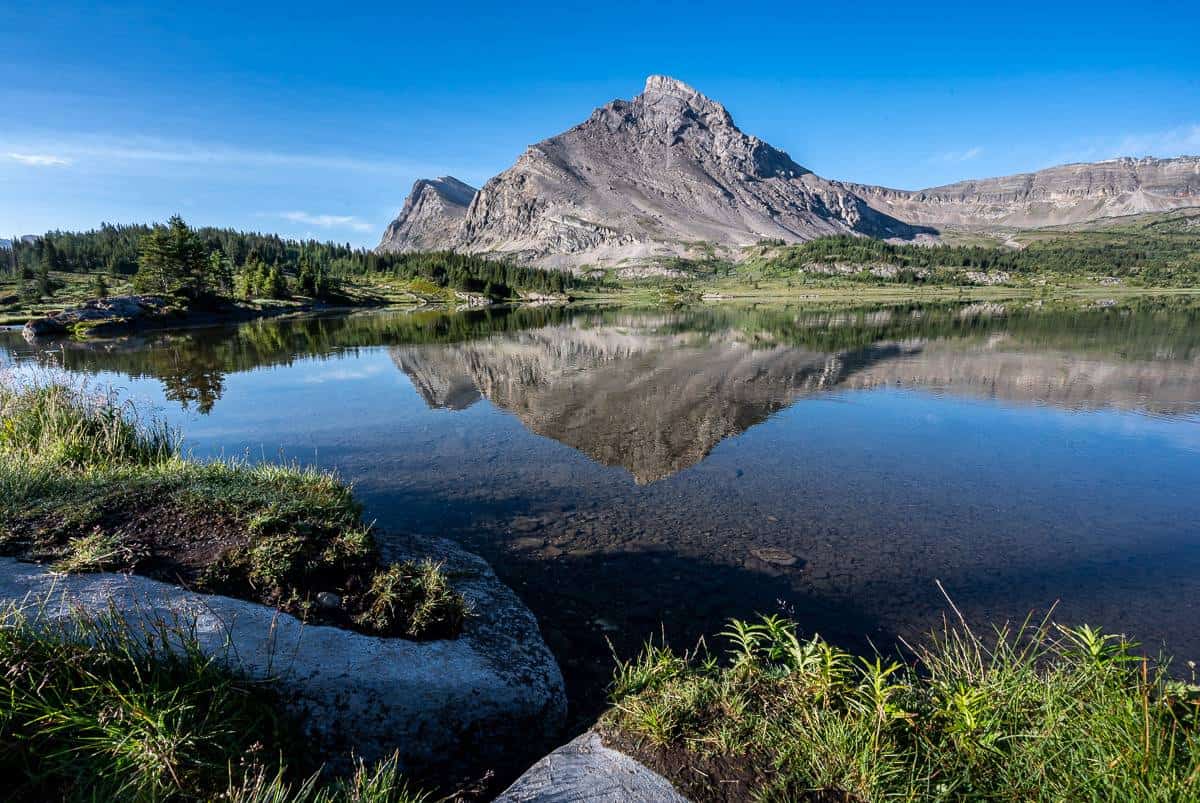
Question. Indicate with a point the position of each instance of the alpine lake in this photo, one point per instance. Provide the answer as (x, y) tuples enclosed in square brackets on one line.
[(638, 473)]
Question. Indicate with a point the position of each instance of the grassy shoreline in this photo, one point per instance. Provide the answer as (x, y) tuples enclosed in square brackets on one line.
[(1036, 712), (88, 485)]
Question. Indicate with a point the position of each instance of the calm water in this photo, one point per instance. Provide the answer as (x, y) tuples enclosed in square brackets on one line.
[(634, 472)]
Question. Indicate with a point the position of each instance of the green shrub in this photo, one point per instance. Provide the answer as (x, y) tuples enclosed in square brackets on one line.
[(1039, 713)]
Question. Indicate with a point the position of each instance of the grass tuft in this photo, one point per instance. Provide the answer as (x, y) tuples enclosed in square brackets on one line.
[(1036, 712), (94, 709)]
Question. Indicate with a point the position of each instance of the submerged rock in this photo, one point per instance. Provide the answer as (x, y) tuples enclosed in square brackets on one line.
[(492, 697), (775, 556)]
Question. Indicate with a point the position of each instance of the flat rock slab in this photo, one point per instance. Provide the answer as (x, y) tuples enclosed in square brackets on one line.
[(487, 698), (585, 770)]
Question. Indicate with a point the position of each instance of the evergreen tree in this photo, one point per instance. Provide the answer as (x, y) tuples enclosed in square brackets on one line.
[(45, 288), (171, 257), (276, 285), (99, 285), (219, 277)]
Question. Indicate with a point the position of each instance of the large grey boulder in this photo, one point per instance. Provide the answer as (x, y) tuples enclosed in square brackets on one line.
[(493, 696), (585, 770)]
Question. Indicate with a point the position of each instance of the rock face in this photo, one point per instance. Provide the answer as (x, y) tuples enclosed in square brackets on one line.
[(1071, 193), (670, 174), (430, 217), (646, 178), (493, 696)]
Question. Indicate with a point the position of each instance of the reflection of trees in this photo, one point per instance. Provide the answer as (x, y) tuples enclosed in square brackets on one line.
[(193, 380), (192, 364)]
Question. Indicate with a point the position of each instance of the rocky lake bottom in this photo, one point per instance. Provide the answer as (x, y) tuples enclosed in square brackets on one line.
[(649, 473)]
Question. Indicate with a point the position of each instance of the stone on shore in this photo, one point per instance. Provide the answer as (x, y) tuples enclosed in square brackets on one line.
[(492, 697), (585, 770)]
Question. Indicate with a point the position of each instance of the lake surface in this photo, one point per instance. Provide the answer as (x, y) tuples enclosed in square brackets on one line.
[(633, 473)]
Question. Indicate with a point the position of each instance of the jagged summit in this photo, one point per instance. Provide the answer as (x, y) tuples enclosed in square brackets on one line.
[(669, 173)]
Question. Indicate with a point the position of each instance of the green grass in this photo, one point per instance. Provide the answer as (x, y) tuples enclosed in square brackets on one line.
[(87, 483), (91, 709), (1039, 712)]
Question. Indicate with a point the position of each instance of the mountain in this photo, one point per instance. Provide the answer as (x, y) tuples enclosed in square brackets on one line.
[(430, 217), (670, 174), (641, 179), (1073, 193)]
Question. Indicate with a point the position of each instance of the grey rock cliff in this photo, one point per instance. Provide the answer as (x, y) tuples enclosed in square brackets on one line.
[(430, 217), (663, 173), (1071, 193)]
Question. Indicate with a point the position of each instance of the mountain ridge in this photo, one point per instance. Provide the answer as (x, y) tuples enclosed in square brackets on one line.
[(669, 172)]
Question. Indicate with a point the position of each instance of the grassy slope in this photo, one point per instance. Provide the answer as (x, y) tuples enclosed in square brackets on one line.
[(1043, 713), (1144, 252), (88, 486)]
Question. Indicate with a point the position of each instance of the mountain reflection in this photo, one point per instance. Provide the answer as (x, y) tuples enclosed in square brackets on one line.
[(653, 403), (655, 392)]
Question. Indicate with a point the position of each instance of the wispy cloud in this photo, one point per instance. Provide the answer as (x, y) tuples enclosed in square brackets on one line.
[(959, 156), (1172, 142), (108, 150), (40, 159), (327, 221)]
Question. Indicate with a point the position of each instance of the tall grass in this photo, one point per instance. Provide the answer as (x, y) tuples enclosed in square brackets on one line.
[(1036, 712), (91, 709), (52, 423)]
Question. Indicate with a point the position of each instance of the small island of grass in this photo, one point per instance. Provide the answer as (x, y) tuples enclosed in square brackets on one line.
[(87, 485)]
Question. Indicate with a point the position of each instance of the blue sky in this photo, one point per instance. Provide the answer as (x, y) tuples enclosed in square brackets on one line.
[(314, 120)]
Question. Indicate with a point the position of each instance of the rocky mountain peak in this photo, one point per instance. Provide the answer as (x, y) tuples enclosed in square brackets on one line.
[(673, 96), (430, 217), (449, 188)]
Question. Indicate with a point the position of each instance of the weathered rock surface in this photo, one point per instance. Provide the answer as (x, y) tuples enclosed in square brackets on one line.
[(585, 770), (430, 217), (97, 315), (491, 697), (670, 174), (644, 178), (1071, 193)]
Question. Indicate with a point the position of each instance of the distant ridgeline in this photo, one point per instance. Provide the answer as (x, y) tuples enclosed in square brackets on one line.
[(114, 249)]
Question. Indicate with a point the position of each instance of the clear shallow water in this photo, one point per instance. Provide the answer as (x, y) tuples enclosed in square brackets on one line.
[(630, 472)]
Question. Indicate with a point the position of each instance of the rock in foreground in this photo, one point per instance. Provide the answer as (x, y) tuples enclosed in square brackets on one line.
[(586, 770), (490, 698)]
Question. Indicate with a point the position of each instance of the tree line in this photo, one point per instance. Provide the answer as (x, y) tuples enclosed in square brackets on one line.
[(175, 256)]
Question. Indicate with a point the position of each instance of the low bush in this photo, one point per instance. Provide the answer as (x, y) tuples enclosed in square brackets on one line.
[(1040, 712)]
